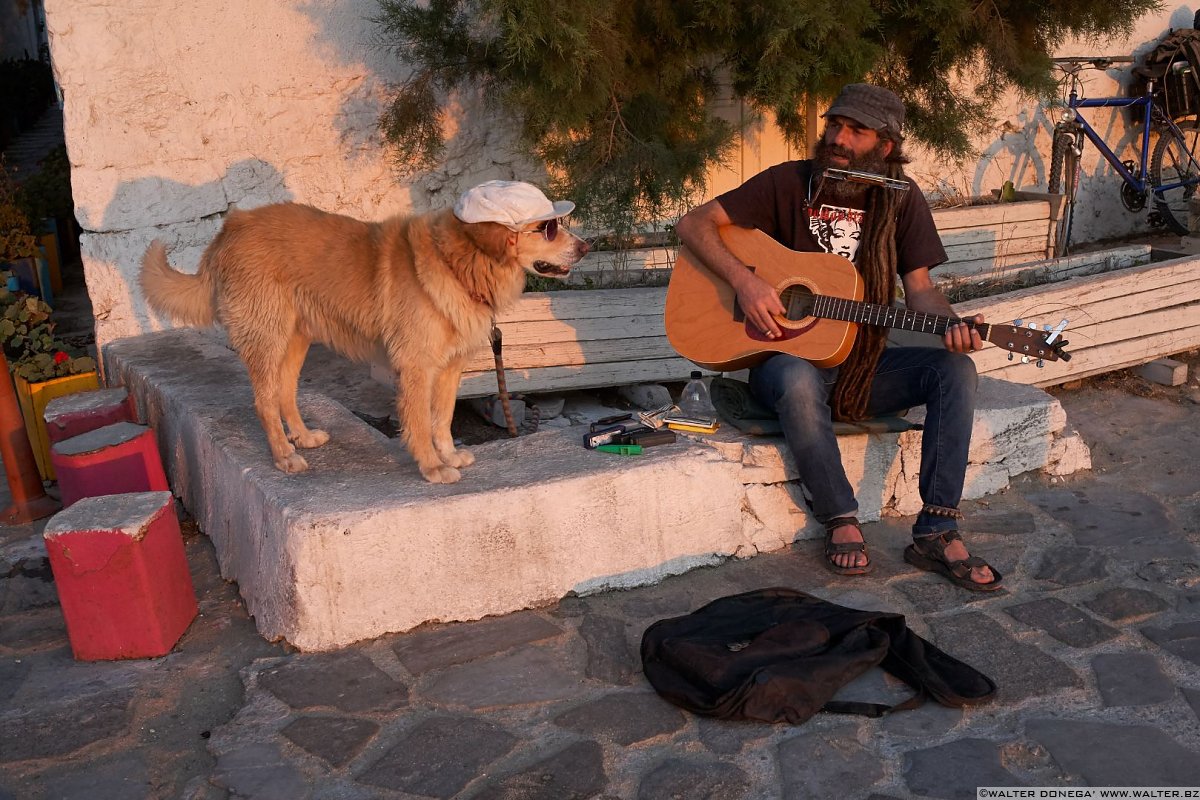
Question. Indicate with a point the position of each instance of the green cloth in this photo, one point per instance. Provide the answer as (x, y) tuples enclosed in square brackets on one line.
[(738, 406)]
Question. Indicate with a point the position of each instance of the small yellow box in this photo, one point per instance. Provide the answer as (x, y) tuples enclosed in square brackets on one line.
[(34, 397)]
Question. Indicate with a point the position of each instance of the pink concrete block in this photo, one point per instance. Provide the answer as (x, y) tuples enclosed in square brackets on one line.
[(118, 458), (73, 414), (122, 576)]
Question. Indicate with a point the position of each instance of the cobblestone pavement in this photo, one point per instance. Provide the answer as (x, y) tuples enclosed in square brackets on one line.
[(1095, 645)]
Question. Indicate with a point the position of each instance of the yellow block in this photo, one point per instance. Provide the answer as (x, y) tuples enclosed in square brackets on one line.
[(34, 397)]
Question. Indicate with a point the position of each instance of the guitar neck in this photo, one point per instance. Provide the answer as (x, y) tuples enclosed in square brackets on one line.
[(856, 311)]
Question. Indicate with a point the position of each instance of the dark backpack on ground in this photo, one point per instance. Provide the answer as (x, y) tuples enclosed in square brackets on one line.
[(778, 655)]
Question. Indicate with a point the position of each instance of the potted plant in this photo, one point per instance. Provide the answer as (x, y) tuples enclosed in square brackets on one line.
[(17, 242), (43, 367), (25, 326)]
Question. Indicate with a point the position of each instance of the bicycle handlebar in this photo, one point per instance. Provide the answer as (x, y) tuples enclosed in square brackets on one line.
[(1091, 62)]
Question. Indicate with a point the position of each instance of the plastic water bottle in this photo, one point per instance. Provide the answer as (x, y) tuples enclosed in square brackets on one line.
[(694, 400)]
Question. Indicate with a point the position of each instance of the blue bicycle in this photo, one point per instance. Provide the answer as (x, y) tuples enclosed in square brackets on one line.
[(1168, 175)]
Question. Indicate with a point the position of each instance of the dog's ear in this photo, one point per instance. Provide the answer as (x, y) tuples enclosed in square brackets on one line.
[(491, 237)]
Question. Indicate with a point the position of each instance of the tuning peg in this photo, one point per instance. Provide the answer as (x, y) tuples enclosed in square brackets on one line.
[(1024, 359), (1033, 326), (1040, 363), (1018, 323), (1010, 356), (1057, 332)]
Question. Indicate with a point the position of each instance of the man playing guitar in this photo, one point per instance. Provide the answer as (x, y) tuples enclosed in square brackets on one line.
[(886, 231)]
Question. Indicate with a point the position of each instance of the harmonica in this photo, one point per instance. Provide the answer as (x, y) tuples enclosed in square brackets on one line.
[(873, 179)]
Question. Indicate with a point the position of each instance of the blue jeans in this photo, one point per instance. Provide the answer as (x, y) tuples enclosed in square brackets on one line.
[(942, 381)]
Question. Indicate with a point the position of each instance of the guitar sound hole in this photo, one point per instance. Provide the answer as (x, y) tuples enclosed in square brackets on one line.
[(797, 302)]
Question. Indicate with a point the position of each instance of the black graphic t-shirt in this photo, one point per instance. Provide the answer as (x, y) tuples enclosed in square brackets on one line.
[(774, 202)]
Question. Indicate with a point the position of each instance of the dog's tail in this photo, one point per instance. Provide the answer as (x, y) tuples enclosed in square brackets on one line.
[(182, 297)]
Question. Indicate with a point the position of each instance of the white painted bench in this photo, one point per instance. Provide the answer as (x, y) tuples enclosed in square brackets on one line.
[(977, 239), (556, 341), (981, 238), (576, 340), (605, 337), (1117, 319)]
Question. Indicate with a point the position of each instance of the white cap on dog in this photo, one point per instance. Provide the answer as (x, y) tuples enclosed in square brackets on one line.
[(510, 203)]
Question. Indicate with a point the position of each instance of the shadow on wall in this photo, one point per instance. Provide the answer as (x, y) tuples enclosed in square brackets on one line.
[(348, 37), (1026, 145), (1181, 17), (1019, 144), (163, 202), (187, 217), (480, 145)]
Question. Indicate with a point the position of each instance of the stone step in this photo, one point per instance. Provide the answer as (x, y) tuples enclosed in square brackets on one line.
[(113, 459), (81, 412), (360, 545), (121, 575)]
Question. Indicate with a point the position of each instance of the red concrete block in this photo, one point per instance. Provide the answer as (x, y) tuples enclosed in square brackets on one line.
[(122, 575), (118, 458), (81, 412)]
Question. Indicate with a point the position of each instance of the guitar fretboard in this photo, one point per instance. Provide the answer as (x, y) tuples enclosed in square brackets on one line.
[(838, 308)]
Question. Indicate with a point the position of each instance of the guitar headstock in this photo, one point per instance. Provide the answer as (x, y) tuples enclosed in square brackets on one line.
[(1030, 342)]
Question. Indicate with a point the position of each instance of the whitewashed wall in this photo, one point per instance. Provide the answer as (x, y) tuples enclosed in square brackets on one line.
[(177, 110)]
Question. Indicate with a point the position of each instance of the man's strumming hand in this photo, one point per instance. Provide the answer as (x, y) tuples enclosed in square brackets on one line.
[(760, 303)]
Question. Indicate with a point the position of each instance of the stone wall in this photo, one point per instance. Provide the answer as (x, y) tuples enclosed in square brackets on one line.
[(175, 111)]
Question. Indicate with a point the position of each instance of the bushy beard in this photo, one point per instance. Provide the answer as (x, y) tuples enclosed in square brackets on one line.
[(846, 193)]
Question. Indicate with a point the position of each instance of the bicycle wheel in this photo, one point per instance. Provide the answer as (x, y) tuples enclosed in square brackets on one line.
[(1058, 150), (1063, 178), (1176, 160)]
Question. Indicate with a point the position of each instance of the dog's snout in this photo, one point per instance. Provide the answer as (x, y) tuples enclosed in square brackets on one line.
[(582, 248)]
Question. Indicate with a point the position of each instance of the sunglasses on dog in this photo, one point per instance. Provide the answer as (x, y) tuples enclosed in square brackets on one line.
[(548, 229)]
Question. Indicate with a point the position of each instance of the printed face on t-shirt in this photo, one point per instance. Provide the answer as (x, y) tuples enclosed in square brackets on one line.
[(836, 229)]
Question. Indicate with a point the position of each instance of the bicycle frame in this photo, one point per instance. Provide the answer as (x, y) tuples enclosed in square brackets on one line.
[(1139, 182)]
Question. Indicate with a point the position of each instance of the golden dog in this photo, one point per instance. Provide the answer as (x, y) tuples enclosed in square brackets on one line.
[(423, 290)]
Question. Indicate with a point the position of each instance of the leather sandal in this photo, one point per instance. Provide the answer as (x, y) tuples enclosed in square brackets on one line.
[(929, 553), (842, 548)]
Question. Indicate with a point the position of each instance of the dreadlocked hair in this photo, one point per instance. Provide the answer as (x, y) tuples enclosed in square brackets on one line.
[(876, 263)]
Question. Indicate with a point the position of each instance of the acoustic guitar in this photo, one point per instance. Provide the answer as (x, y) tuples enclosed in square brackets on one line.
[(822, 295)]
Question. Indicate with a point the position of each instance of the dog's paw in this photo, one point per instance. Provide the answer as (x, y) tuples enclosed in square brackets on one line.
[(441, 474), (292, 463), (310, 439), (462, 457)]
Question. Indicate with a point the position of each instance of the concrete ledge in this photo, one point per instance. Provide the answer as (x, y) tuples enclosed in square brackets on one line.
[(360, 545)]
